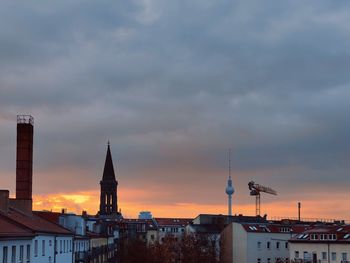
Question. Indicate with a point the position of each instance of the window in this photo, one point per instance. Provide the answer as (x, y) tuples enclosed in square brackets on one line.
[(152, 237), (268, 245), (334, 256), (324, 255), (49, 259), (50, 242), (296, 254), (43, 247), (13, 256), (28, 253), (314, 237), (35, 248), (278, 245), (269, 260), (61, 246), (344, 256), (259, 260), (21, 254), (286, 245), (259, 245), (64, 246), (253, 228), (4, 252)]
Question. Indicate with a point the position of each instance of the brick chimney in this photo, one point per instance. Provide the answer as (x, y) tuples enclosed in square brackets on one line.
[(24, 163), (24, 160)]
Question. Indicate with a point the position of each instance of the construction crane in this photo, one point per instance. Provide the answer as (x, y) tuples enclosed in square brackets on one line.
[(255, 190)]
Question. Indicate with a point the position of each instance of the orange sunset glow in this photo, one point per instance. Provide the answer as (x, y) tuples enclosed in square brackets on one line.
[(89, 201)]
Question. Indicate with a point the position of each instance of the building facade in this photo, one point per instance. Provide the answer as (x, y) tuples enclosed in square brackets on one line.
[(322, 244), (262, 242)]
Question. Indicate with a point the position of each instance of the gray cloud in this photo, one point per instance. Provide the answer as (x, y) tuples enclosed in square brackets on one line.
[(174, 84)]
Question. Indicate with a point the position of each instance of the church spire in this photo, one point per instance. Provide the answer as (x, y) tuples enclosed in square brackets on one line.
[(108, 197), (108, 172)]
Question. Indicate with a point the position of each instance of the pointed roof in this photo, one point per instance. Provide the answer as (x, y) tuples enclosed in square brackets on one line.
[(108, 172)]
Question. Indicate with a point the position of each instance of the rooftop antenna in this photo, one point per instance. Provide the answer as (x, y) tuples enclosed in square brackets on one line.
[(229, 188)]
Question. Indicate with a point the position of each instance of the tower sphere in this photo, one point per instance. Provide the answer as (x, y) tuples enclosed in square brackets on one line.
[(229, 189)]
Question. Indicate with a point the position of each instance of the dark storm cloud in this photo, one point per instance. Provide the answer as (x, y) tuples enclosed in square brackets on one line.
[(173, 84)]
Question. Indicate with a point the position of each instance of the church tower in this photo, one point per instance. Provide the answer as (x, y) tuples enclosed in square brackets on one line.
[(108, 198)]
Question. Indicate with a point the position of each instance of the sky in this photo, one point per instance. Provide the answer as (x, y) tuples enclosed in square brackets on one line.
[(173, 85)]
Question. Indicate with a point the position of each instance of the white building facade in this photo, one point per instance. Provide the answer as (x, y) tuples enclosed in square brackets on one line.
[(257, 242)]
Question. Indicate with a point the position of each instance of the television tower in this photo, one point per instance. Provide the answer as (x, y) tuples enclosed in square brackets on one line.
[(229, 188)]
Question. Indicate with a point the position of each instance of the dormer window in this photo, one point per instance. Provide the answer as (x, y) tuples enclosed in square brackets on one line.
[(314, 237)]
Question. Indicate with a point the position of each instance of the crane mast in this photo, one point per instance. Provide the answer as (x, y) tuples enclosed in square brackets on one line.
[(255, 190)]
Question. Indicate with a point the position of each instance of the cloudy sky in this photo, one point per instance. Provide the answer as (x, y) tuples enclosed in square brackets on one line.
[(172, 85)]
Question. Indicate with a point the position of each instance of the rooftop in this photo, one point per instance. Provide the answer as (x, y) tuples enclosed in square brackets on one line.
[(173, 221), (9, 229), (34, 222), (324, 234)]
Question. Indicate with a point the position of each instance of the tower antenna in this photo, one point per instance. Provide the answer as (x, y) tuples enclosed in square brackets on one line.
[(229, 162)]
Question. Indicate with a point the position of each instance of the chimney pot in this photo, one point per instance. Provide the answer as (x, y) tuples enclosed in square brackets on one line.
[(4, 200)]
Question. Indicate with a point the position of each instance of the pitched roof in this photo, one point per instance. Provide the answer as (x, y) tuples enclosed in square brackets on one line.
[(108, 171), (173, 221), (35, 223), (10, 229), (273, 228), (49, 216), (150, 224), (324, 234)]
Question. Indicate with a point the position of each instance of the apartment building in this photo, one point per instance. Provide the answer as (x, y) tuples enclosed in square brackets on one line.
[(322, 243)]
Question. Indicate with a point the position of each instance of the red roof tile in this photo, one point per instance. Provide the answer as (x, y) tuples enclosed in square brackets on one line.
[(36, 223), (324, 233), (274, 228), (9, 229), (173, 221), (49, 216)]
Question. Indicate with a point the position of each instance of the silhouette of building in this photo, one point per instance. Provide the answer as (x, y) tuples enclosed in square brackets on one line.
[(109, 197)]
